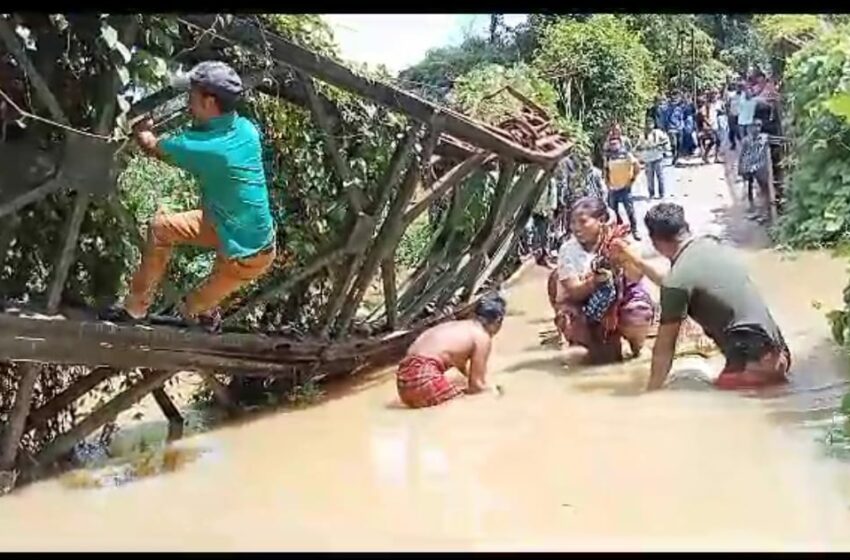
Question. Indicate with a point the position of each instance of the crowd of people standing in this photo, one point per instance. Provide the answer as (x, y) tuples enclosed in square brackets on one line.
[(598, 289)]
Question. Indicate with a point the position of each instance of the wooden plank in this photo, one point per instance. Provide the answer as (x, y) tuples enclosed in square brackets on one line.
[(250, 36), (14, 427), (63, 352), (69, 250), (106, 413)]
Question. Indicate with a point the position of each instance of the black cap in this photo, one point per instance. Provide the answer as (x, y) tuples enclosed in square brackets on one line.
[(214, 76)]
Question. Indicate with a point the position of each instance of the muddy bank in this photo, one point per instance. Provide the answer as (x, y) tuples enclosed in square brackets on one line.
[(568, 458)]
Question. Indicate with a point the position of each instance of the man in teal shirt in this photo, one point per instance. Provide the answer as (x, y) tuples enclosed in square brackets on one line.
[(222, 150)]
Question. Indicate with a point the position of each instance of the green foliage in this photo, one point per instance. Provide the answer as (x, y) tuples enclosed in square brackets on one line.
[(473, 92), (736, 42), (682, 52), (818, 209), (414, 242), (435, 75), (784, 34), (600, 70)]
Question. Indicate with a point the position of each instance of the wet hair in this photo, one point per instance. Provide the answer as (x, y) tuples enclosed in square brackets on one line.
[(592, 206), (490, 309), (666, 221)]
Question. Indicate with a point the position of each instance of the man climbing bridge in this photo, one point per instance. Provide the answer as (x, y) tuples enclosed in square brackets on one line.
[(222, 150)]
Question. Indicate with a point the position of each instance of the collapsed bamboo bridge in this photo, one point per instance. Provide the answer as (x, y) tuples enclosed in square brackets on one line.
[(433, 161)]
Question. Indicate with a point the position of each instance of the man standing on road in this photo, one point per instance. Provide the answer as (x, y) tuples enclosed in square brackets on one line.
[(675, 124), (621, 170), (653, 145), (656, 112), (747, 109), (223, 151), (733, 107), (542, 217), (707, 282)]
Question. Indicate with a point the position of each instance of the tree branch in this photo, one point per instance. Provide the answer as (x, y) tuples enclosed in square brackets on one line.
[(42, 90)]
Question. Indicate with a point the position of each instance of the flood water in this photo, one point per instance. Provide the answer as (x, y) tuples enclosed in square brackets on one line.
[(568, 458)]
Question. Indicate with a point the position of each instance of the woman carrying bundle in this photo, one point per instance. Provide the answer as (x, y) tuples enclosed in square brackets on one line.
[(598, 300)]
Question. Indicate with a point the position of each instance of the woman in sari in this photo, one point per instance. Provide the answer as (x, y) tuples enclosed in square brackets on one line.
[(597, 300)]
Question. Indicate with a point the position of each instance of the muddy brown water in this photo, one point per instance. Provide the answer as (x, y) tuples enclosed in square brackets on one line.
[(569, 458)]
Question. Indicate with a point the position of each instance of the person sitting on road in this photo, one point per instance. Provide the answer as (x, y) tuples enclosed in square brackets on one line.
[(707, 282), (465, 344), (597, 300), (621, 171), (223, 151)]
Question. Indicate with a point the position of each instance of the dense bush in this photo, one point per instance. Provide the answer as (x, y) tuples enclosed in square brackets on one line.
[(818, 208), (600, 70)]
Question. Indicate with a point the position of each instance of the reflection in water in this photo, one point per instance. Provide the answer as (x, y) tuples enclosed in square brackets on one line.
[(569, 458)]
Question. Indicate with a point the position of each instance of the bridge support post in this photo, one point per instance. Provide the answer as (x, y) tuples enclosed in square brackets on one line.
[(14, 428), (220, 392), (171, 412)]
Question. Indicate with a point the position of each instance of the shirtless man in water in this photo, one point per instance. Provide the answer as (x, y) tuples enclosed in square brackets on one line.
[(464, 344), (707, 282)]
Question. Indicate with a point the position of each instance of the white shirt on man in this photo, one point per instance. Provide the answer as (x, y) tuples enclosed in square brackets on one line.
[(747, 111)]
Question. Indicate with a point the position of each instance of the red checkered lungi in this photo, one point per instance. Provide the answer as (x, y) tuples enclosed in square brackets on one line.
[(422, 382)]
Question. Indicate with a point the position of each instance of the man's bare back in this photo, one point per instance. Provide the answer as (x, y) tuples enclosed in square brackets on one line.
[(461, 344), (454, 343)]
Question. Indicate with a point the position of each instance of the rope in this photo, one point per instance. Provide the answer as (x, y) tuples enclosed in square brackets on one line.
[(54, 123), (125, 139)]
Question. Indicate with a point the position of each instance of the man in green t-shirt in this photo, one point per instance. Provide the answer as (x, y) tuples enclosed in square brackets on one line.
[(222, 150), (707, 282)]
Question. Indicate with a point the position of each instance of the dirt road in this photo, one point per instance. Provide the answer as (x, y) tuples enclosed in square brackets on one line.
[(569, 458)]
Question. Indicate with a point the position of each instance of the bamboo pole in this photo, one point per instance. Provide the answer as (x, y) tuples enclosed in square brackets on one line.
[(390, 294), (171, 413), (392, 229), (40, 416), (69, 249), (355, 196)]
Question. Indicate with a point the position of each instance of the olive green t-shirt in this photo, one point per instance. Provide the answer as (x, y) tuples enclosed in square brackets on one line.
[(709, 283)]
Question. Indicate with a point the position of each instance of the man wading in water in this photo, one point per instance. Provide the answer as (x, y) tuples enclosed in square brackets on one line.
[(222, 150), (465, 345), (707, 282)]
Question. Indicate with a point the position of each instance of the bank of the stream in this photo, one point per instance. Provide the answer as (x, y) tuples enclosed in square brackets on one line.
[(570, 457)]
